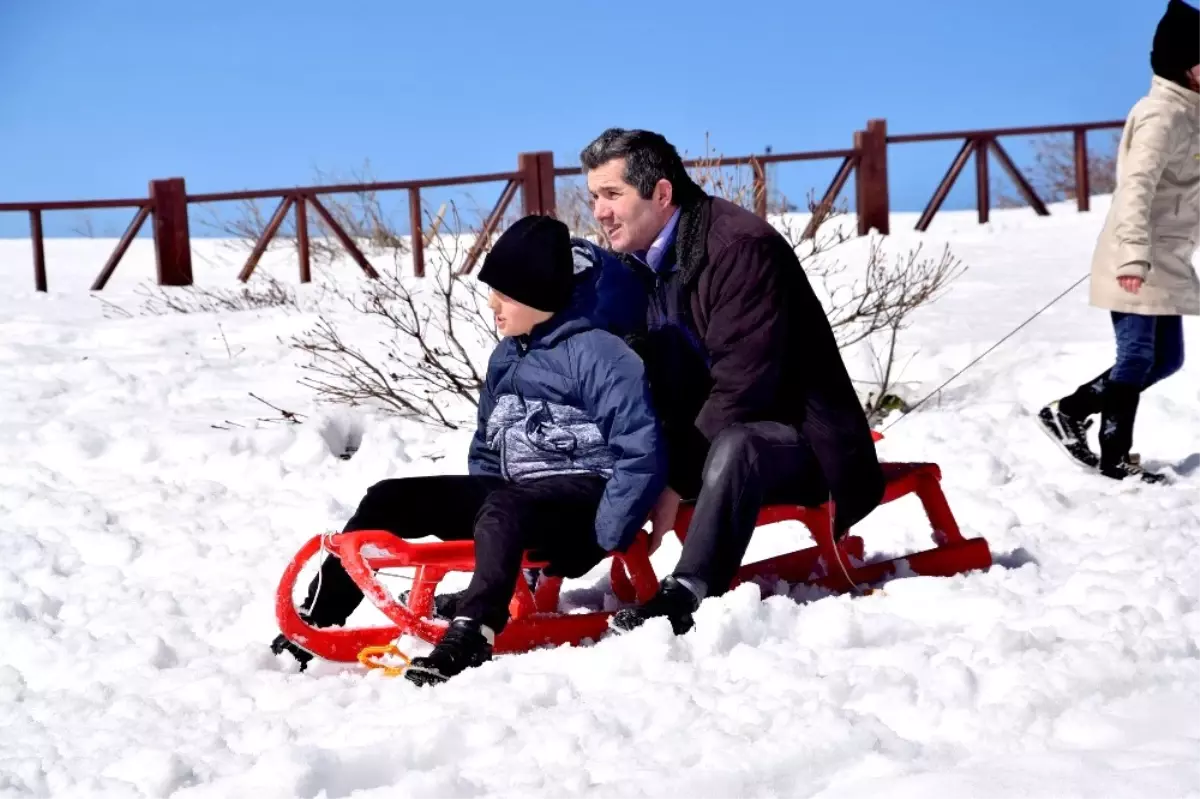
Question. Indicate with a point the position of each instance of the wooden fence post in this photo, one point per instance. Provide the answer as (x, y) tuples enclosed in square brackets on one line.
[(172, 243), (871, 178), (537, 183), (1083, 191), (39, 249)]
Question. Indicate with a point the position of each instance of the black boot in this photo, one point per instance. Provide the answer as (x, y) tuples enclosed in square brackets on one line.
[(1087, 399), (1120, 404), (281, 645), (1066, 420), (673, 600), (465, 645)]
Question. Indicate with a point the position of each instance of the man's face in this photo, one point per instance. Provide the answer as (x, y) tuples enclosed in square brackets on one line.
[(629, 221)]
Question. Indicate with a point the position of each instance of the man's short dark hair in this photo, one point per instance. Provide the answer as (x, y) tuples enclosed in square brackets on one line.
[(649, 158)]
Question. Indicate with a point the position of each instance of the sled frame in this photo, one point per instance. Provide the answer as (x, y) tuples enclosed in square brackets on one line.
[(837, 566)]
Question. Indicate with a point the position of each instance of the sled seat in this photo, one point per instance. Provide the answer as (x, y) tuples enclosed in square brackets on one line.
[(535, 619), (839, 566)]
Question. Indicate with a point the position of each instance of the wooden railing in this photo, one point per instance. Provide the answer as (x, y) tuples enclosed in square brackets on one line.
[(534, 177), (979, 142)]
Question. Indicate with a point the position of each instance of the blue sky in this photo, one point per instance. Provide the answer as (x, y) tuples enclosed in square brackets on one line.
[(97, 98)]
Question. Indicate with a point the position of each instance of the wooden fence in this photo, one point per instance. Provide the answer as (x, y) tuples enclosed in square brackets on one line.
[(866, 160)]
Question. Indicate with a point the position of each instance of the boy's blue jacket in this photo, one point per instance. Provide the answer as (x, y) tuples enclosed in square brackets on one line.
[(572, 398)]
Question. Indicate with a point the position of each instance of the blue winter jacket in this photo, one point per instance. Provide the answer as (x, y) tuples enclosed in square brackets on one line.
[(607, 290), (571, 398)]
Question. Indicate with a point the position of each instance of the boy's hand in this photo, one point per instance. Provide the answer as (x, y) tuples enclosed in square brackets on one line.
[(1131, 284), (662, 517)]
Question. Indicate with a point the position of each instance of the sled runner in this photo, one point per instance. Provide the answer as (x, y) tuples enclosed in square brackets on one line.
[(536, 621)]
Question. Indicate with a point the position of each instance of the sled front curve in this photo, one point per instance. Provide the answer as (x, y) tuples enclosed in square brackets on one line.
[(534, 618)]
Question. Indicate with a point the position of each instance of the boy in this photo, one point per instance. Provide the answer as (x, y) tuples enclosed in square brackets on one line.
[(1142, 269), (565, 460)]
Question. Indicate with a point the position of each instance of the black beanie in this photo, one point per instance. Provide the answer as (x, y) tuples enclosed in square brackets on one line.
[(531, 262), (1176, 46)]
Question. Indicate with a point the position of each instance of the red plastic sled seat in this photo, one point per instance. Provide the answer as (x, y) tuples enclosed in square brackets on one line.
[(832, 565), (536, 620)]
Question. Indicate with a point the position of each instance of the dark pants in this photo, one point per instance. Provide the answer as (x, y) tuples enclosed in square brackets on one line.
[(748, 465), (554, 515), (1149, 349)]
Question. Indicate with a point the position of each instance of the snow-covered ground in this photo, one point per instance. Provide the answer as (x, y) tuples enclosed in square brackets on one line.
[(146, 516)]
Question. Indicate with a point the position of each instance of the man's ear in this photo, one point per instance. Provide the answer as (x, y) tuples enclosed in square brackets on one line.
[(663, 193)]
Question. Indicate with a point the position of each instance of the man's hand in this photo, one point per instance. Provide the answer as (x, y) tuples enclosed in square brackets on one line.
[(1131, 284), (662, 517)]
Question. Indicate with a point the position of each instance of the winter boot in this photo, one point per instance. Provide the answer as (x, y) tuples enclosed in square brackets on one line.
[(674, 600), (281, 645), (1066, 420), (1120, 404), (1131, 466), (466, 644), (1087, 399)]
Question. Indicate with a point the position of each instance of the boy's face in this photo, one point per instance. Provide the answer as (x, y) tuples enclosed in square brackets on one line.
[(514, 318)]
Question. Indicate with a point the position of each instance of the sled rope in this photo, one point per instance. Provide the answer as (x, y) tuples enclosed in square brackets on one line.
[(328, 549), (325, 547), (986, 352), (837, 556)]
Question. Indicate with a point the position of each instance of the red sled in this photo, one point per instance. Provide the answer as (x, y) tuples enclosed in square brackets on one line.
[(535, 618)]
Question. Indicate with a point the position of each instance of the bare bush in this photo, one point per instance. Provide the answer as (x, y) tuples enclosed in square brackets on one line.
[(360, 214), (85, 227), (876, 299), (883, 398), (264, 292), (430, 366), (1052, 174), (573, 206), (886, 293)]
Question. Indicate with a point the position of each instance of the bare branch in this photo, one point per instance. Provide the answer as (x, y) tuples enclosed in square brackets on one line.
[(289, 416), (264, 291), (437, 335)]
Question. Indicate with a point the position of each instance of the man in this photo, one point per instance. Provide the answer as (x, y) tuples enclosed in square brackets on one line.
[(755, 401)]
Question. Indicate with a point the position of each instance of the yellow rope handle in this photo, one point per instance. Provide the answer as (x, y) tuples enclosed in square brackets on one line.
[(368, 654)]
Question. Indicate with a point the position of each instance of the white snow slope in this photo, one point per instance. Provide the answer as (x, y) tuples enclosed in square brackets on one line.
[(141, 546)]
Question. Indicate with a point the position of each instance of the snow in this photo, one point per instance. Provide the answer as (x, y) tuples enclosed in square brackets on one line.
[(148, 514)]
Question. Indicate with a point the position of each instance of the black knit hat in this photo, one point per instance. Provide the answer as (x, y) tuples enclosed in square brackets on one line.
[(531, 262), (1176, 46)]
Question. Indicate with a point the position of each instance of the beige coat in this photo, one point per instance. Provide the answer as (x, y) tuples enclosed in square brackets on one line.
[(1153, 224)]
